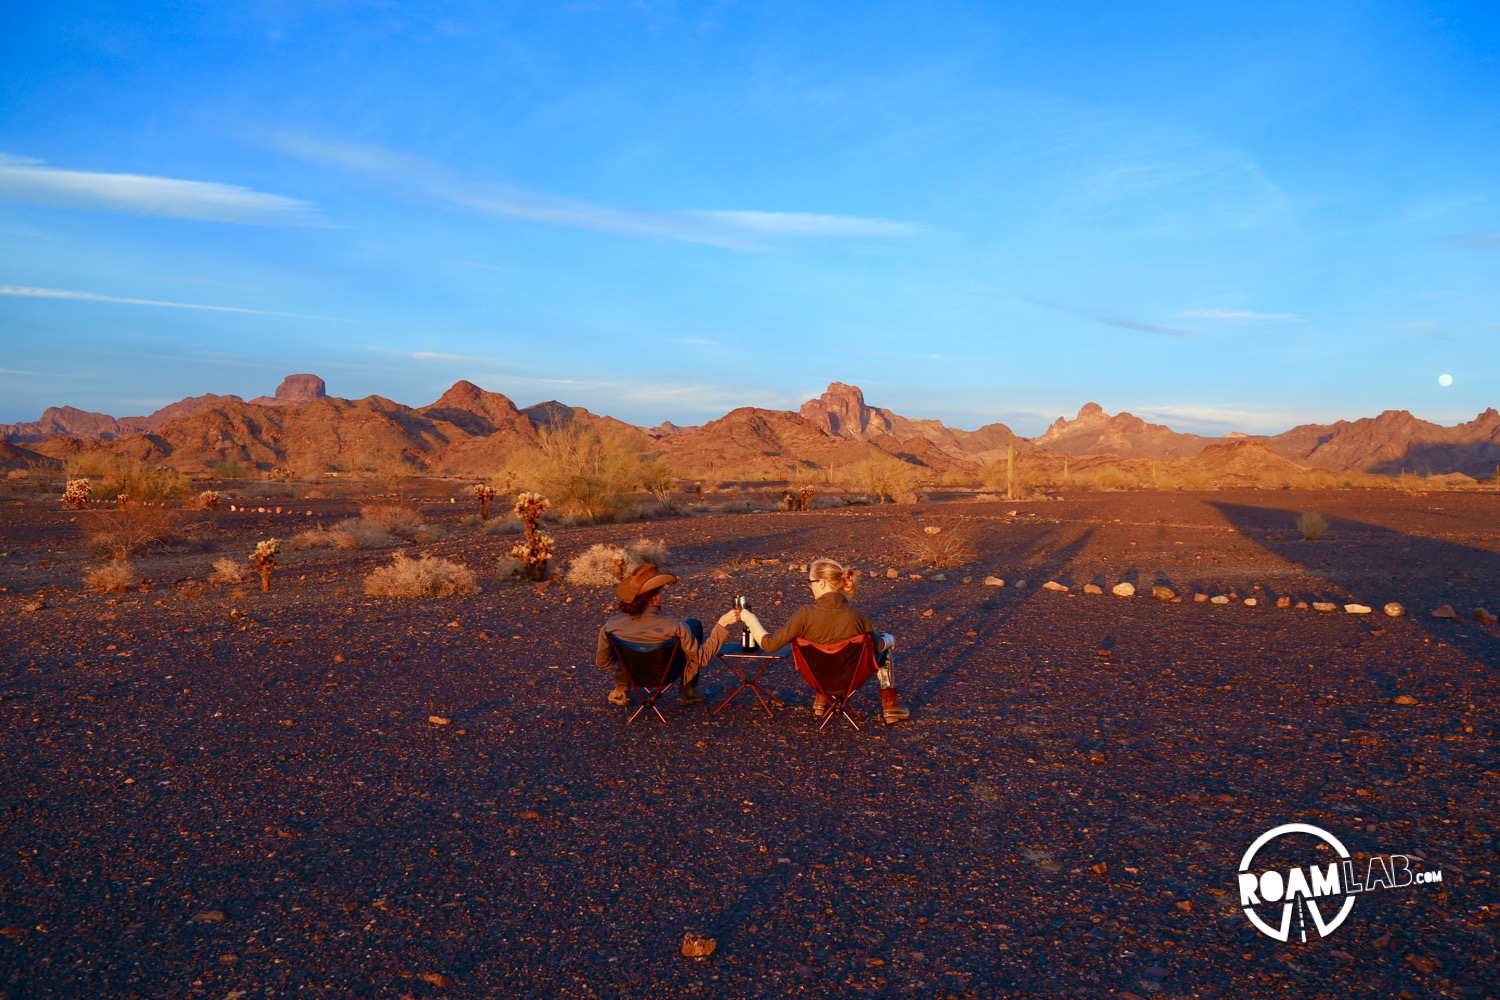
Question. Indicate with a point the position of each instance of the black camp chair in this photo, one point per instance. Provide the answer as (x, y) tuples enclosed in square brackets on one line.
[(651, 669), (836, 670)]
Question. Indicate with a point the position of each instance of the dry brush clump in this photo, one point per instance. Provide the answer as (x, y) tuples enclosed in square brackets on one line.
[(428, 576), (606, 565), (113, 577), (111, 475), (378, 526), (1312, 525), (886, 479), (227, 572), (590, 472), (941, 548), (130, 527)]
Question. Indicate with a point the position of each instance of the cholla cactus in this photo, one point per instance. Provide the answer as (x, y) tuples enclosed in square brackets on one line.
[(123, 500), (209, 500), (264, 559), (529, 508), (534, 554), (76, 494), (805, 498), (536, 551), (484, 494)]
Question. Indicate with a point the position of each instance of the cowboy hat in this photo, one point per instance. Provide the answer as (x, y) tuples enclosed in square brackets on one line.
[(643, 578)]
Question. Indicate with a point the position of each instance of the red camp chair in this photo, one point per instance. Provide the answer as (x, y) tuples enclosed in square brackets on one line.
[(651, 669), (836, 670)]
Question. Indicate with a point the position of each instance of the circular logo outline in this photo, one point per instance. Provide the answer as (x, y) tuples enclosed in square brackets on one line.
[(1284, 932)]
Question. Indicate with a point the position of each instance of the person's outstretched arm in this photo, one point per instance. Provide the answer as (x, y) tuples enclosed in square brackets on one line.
[(771, 643)]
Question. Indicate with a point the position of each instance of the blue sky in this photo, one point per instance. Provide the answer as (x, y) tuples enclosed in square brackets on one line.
[(1216, 216)]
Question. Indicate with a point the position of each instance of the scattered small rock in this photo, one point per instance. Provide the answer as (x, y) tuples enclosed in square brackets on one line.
[(438, 720), (1484, 615), (940, 577), (1301, 605), (1200, 598), (1394, 610), (874, 573), (1163, 593), (1219, 599), (1123, 589), (1020, 584), (1283, 602), (437, 979), (31, 607), (1324, 606), (993, 581), (696, 946), (208, 917), (928, 613), (891, 574), (1357, 609), (1406, 699), (1055, 587), (1100, 868), (968, 579), (915, 576), (1251, 602), (932, 529), (1092, 588), (1446, 611)]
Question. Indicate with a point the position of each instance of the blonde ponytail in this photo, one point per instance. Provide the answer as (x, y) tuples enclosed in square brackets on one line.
[(844, 579)]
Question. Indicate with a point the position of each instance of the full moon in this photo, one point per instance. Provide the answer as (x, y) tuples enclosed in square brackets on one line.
[(1445, 380)]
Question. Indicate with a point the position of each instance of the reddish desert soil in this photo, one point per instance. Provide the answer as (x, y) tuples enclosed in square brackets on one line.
[(223, 793)]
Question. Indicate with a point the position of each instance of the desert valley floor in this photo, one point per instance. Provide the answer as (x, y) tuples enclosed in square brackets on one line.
[(218, 792)]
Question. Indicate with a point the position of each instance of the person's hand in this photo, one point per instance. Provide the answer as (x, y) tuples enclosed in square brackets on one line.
[(729, 617), (748, 617)]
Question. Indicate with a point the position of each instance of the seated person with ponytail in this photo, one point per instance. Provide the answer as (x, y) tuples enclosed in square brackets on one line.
[(831, 618)]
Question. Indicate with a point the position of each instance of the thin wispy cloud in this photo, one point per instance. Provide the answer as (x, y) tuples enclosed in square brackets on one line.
[(434, 356), (696, 342), (33, 183), (1221, 418), (24, 292), (730, 229), (1234, 315), (1107, 320), (1477, 241), (15, 371)]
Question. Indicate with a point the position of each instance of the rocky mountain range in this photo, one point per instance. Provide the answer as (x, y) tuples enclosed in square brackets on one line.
[(470, 431)]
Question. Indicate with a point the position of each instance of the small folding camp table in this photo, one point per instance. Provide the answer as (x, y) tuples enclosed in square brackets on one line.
[(741, 664)]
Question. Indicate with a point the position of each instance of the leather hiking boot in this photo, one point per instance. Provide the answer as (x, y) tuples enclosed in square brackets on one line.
[(690, 695), (891, 711), (619, 696)]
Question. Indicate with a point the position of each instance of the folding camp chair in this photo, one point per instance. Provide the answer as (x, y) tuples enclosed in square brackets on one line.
[(836, 670), (651, 670)]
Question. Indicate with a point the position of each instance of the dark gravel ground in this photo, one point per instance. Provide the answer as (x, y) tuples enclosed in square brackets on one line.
[(223, 793)]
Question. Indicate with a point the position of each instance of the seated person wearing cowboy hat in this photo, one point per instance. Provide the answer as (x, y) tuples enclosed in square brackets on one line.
[(640, 621)]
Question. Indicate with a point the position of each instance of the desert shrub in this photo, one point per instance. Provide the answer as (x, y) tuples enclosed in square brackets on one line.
[(1108, 477), (396, 519), (1312, 525), (130, 527), (600, 566), (228, 469), (947, 548), (113, 577), (491, 526), (1194, 479), (588, 471), (227, 572), (508, 567), (425, 577), (887, 479), (111, 475), (649, 550), (647, 510)]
